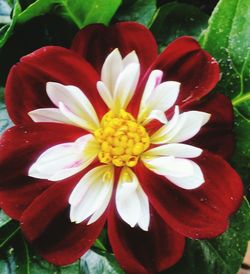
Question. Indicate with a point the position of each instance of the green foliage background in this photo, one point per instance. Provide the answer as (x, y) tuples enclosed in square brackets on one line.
[(223, 29)]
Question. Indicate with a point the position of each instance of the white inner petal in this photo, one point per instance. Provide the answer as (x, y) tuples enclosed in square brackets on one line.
[(169, 165), (98, 213), (75, 101), (189, 182), (49, 115), (164, 95), (176, 150), (155, 115), (154, 80), (190, 124), (131, 201), (64, 160), (125, 85), (105, 94), (130, 59), (92, 194), (161, 98), (181, 127), (182, 172), (144, 218), (111, 69), (119, 79)]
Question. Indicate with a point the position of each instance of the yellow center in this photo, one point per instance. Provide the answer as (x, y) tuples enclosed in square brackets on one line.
[(122, 140)]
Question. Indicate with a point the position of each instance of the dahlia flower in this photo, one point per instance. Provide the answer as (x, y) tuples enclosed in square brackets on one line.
[(110, 132)]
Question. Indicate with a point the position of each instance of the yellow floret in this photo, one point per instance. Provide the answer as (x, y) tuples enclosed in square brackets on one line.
[(122, 140)]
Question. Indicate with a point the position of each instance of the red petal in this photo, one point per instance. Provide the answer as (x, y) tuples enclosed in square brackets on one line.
[(198, 213), (140, 251), (26, 83), (16, 199), (217, 135), (19, 148), (47, 226), (184, 61), (21, 145), (96, 41)]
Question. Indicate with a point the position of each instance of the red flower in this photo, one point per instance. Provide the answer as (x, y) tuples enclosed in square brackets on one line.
[(111, 131)]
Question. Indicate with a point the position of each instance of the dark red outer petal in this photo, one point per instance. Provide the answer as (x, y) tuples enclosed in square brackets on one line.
[(96, 41), (20, 146), (16, 199), (46, 224), (198, 213), (26, 83), (143, 252), (217, 135), (184, 61)]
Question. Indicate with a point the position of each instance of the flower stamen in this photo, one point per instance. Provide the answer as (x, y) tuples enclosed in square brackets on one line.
[(122, 140)]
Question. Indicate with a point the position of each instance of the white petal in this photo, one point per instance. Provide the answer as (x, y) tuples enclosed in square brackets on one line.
[(181, 172), (92, 194), (98, 213), (160, 136), (64, 160), (190, 182), (189, 125), (169, 166), (164, 96), (93, 201), (156, 115), (74, 119), (130, 58), (181, 127), (105, 94), (166, 132), (144, 218), (83, 185), (112, 67), (48, 115), (176, 150), (55, 159), (127, 201), (66, 173), (174, 119), (126, 85), (75, 101), (154, 80)]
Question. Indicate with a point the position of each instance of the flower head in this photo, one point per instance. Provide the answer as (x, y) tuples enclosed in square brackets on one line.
[(118, 134)]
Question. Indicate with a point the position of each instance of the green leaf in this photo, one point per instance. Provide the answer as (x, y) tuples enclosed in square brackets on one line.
[(83, 13), (7, 31), (17, 257), (176, 19), (7, 232), (40, 266), (51, 22), (80, 13), (241, 157), (227, 39), (99, 264), (140, 11), (4, 13), (222, 255), (4, 219), (5, 121)]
